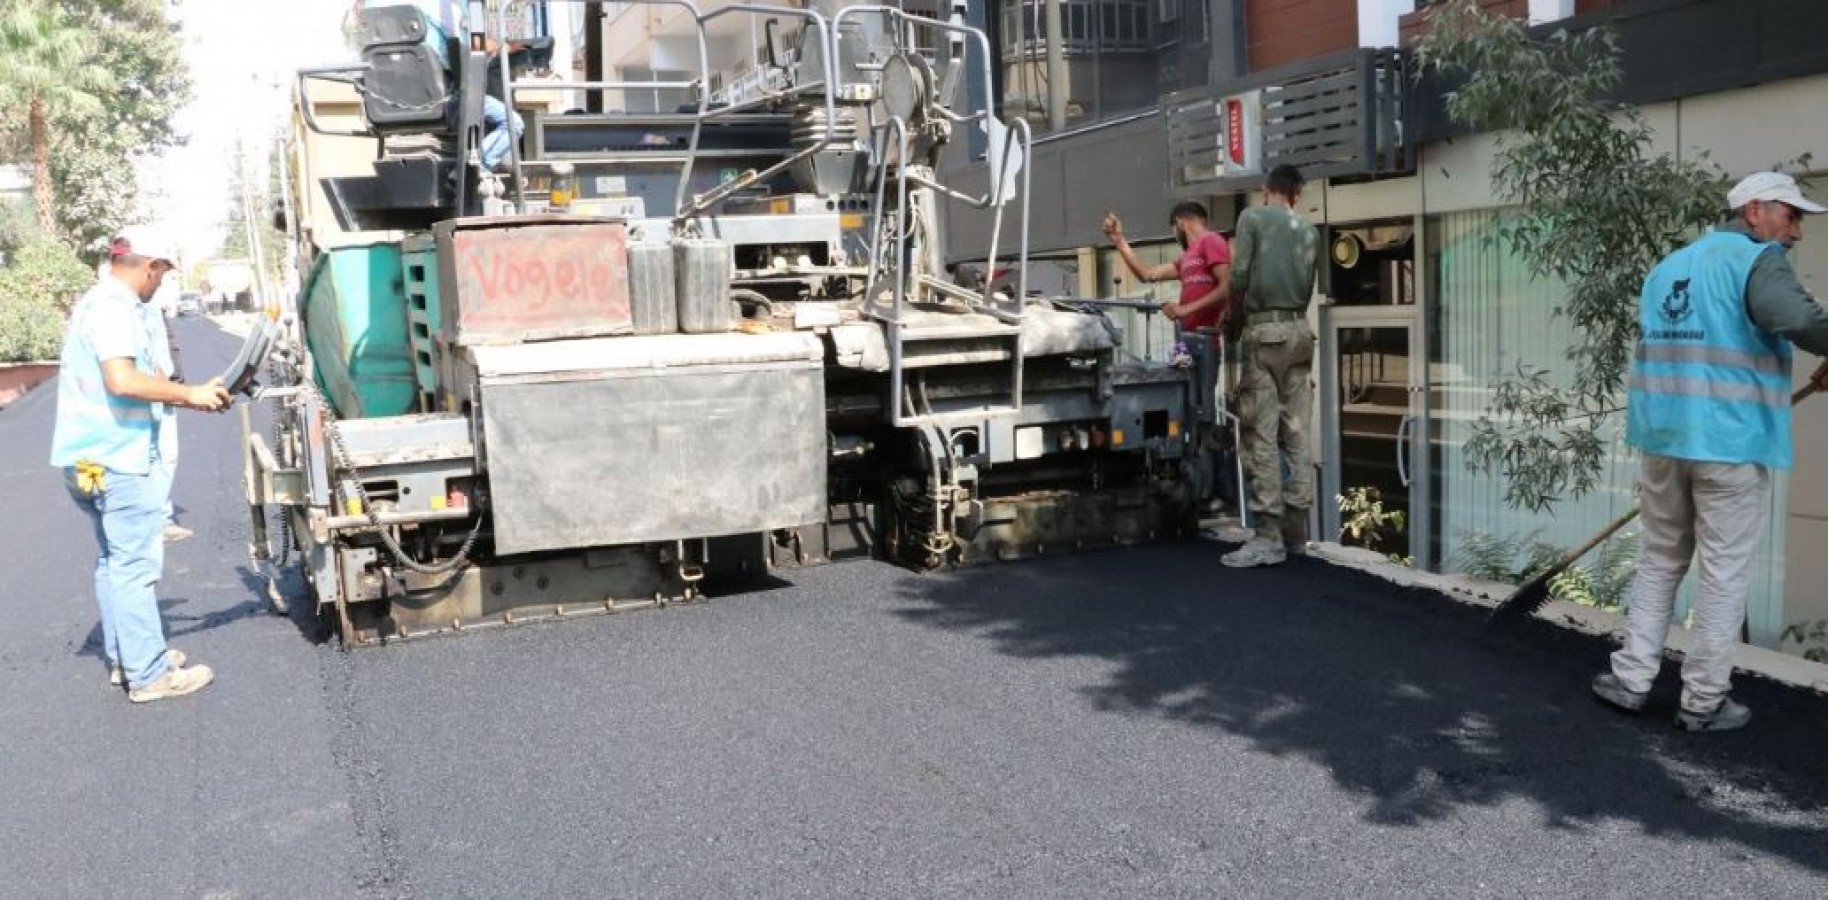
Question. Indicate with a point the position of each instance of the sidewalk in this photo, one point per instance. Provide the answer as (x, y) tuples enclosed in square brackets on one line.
[(1780, 667)]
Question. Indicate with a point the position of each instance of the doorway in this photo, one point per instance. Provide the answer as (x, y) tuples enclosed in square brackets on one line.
[(1373, 388)]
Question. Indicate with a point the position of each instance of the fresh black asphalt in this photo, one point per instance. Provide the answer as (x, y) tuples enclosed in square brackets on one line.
[(1135, 723)]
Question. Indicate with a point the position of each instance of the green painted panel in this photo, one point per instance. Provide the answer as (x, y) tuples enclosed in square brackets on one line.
[(420, 262), (356, 325)]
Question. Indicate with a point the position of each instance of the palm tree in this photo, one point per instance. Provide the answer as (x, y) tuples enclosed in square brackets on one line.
[(47, 65)]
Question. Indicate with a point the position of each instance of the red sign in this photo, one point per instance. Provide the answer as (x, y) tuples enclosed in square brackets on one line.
[(1234, 130)]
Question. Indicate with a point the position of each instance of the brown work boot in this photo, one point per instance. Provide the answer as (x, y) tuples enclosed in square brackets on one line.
[(1295, 531), (175, 682)]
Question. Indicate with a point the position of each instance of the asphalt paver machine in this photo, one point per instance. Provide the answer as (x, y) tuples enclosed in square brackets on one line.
[(669, 350)]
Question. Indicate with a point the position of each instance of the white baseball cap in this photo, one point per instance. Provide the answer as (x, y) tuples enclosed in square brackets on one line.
[(144, 240), (1771, 187)]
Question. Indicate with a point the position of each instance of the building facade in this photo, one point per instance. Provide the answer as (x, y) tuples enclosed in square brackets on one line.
[(1420, 313)]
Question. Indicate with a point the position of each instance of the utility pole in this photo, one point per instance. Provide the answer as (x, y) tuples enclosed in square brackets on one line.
[(288, 263), (1056, 69), (256, 257)]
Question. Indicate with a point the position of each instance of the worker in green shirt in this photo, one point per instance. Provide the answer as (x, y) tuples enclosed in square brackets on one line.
[(1274, 262)]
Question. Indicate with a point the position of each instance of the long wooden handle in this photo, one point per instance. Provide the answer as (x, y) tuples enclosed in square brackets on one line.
[(1818, 382)]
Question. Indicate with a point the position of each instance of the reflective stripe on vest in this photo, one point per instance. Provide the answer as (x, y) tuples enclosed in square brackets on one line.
[(1706, 383), (1713, 390), (1712, 356)]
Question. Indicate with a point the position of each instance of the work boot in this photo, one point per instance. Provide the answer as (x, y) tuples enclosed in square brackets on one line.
[(1295, 531), (174, 658), (1609, 688), (175, 532), (1725, 716), (175, 682), (1231, 533), (1257, 552)]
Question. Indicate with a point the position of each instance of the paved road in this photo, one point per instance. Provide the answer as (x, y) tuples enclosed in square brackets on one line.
[(1135, 723)]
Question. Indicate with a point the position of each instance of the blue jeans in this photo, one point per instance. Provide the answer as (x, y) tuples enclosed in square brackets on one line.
[(129, 521), (497, 136)]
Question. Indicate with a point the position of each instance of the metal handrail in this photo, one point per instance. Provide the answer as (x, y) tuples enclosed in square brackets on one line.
[(704, 70), (966, 31), (743, 180), (682, 209), (606, 85), (895, 127), (1021, 134), (305, 76)]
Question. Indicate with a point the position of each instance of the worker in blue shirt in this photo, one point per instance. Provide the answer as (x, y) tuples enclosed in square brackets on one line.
[(112, 398)]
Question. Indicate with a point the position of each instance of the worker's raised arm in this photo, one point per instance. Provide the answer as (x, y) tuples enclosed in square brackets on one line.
[(1113, 229)]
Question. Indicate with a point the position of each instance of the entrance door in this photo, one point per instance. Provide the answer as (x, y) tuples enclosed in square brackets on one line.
[(1374, 423)]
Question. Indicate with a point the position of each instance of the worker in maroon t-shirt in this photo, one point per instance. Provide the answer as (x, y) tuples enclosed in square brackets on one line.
[(1204, 269)]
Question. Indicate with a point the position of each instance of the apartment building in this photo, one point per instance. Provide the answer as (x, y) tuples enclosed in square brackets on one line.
[(1420, 312)]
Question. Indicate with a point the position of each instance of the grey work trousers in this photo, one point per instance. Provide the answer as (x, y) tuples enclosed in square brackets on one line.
[(1276, 400), (1719, 510)]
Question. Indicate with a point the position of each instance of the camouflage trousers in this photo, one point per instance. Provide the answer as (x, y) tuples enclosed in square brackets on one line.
[(1276, 402)]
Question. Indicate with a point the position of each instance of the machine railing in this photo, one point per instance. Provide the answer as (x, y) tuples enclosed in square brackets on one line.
[(705, 112), (1003, 149), (1007, 312), (685, 206), (345, 74), (828, 64)]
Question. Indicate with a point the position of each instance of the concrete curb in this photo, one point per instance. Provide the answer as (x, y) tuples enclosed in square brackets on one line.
[(1781, 667), (18, 379)]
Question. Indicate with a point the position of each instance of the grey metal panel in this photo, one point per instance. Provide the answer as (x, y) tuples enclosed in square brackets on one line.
[(414, 438), (593, 355), (1045, 332), (1076, 178), (1341, 114), (636, 456)]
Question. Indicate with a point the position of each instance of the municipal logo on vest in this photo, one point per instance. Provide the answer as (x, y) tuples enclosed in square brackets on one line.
[(1676, 305)]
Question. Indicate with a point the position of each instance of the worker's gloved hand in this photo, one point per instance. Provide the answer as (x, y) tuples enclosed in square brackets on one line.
[(210, 397)]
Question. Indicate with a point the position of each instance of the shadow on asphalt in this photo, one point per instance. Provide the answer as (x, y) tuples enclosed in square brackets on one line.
[(180, 624), (300, 611), (1401, 695)]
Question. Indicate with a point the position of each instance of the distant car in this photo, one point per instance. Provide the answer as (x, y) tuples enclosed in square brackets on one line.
[(190, 303)]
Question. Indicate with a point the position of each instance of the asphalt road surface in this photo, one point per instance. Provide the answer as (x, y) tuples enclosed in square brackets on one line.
[(1139, 723)]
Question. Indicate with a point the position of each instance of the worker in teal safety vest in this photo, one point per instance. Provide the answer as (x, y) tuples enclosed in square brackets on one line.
[(1710, 412)]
